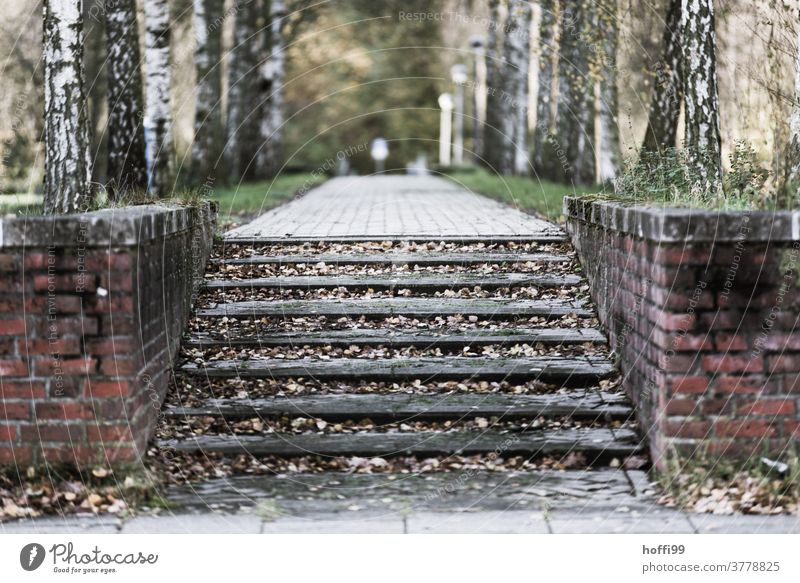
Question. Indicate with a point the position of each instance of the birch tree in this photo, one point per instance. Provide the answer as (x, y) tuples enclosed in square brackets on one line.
[(496, 106), (702, 140), (67, 159), (575, 120), (271, 73), (607, 148), (547, 91), (516, 53), (665, 106), (793, 158), (208, 131), (243, 107), (127, 169), (158, 111)]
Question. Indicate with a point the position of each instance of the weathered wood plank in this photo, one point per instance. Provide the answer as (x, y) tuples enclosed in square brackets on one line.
[(575, 404), (393, 338), (545, 369), (410, 307), (427, 258), (415, 281), (595, 441)]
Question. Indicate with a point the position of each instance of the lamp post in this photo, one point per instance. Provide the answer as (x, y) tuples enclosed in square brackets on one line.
[(379, 151), (458, 73), (477, 44), (445, 128)]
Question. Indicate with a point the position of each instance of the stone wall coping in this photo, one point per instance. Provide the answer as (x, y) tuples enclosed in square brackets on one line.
[(112, 227), (669, 224)]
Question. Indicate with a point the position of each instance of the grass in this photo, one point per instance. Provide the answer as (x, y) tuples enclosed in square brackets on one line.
[(23, 203), (253, 198), (527, 194)]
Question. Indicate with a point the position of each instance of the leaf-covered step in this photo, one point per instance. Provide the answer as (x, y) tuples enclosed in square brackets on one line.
[(600, 442), (546, 369), (238, 237), (576, 404), (421, 258), (409, 307), (414, 281), (396, 339)]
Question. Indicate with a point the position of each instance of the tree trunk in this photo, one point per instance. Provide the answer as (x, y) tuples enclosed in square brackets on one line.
[(572, 142), (516, 49), (665, 107), (607, 158), (67, 157), (793, 158), (496, 106), (271, 90), (158, 111), (547, 92), (703, 142), (127, 169), (243, 107), (208, 131)]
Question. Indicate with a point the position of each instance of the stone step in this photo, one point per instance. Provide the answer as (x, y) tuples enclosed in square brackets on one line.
[(413, 281), (597, 442), (544, 236), (575, 404), (397, 339), (309, 494), (549, 369), (427, 258), (409, 307)]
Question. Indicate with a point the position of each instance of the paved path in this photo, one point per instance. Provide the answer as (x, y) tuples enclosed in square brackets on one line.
[(393, 207)]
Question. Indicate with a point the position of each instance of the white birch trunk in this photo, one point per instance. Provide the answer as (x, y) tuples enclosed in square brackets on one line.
[(517, 56), (700, 89), (67, 156), (127, 170), (272, 72), (158, 109), (793, 161)]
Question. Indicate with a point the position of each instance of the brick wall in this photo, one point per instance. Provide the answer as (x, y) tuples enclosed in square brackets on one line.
[(702, 309), (91, 310)]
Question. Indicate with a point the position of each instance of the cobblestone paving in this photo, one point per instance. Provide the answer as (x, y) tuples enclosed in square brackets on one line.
[(387, 207)]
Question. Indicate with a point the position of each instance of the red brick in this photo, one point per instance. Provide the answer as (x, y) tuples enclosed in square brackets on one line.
[(106, 433), (117, 282), (68, 326), (784, 363), (791, 384), (118, 367), (13, 327), (109, 262), (674, 322), (742, 384), (729, 342), (109, 346), (38, 260), (14, 411), (100, 389), (721, 320), (60, 432), (110, 304), (21, 389), (732, 363), (681, 255), (79, 455), (72, 366), (743, 428), (11, 305), (64, 410), (791, 428), (9, 263), (690, 384), (13, 368), (767, 407), (780, 342), (687, 429), (11, 456), (676, 362), (8, 433), (723, 406), (61, 346), (681, 407), (71, 282)]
